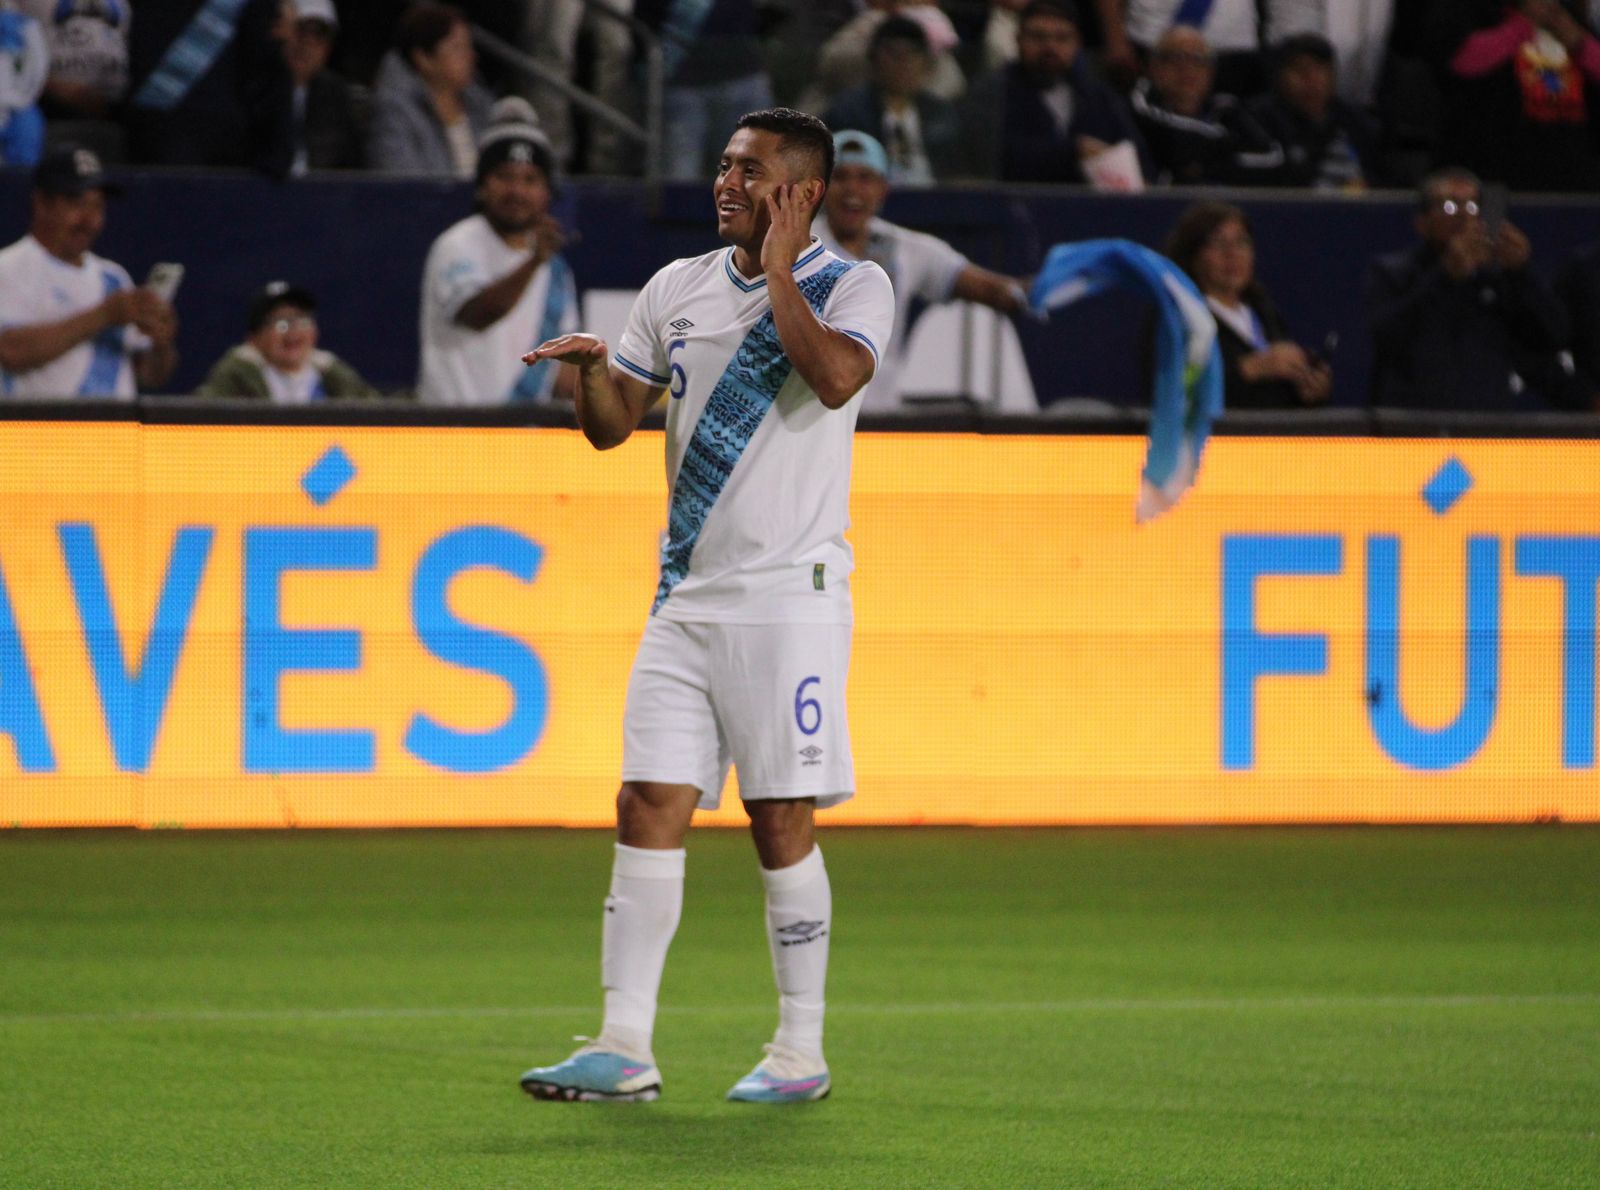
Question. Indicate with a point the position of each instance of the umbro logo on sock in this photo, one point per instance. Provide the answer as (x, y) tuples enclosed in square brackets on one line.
[(802, 932)]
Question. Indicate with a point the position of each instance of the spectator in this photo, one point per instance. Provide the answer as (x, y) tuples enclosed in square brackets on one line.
[(209, 85), (549, 34), (715, 73), (842, 61), (1263, 368), (327, 131), (922, 131), (428, 111), (1039, 118), (923, 269), (1520, 78), (88, 55), (1459, 320), (1578, 286), (495, 285), (24, 66), (1327, 144), (75, 325), (1195, 135), (279, 360), (1235, 29)]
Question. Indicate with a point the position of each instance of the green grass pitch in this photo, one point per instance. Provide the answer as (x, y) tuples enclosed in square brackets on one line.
[(1336, 1007)]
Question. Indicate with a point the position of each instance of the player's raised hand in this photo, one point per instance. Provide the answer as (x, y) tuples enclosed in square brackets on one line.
[(584, 351), (790, 231)]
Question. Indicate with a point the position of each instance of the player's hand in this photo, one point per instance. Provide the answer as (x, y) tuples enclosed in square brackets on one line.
[(790, 231), (1511, 248), (586, 352), (549, 237)]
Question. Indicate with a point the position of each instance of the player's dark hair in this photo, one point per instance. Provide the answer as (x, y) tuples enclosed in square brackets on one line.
[(800, 133), (1198, 223), (423, 26), (899, 29)]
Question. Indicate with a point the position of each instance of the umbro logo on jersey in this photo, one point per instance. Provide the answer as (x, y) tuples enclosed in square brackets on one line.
[(681, 324), (801, 932), (812, 754)]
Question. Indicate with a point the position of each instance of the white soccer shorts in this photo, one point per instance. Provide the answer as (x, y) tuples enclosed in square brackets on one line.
[(768, 699)]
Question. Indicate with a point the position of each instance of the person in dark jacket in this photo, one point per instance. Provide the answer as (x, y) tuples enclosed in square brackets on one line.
[(1327, 143), (327, 131), (920, 132), (1460, 321), (1039, 118), (1263, 367)]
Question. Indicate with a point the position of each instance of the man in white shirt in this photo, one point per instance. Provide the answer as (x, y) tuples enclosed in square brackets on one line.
[(922, 267), (72, 324), (759, 347), (495, 284)]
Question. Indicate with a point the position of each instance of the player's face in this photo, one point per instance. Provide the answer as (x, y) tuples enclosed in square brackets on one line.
[(514, 196), (69, 224), (752, 167), (287, 338), (856, 195)]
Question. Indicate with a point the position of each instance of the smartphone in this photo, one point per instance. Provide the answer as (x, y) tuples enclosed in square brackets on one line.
[(1324, 354), (1492, 204), (164, 279)]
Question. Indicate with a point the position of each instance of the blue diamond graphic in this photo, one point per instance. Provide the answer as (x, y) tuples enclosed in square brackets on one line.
[(1449, 484), (328, 475)]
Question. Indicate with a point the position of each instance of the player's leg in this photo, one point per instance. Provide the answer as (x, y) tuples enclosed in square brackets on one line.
[(671, 752), (791, 745)]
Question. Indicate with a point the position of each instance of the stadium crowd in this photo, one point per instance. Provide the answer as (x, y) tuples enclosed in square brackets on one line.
[(1461, 101)]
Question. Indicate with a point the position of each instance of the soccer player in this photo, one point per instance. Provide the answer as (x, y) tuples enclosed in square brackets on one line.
[(920, 266), (760, 347)]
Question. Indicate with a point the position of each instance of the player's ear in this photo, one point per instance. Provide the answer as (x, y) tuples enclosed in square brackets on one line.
[(811, 192)]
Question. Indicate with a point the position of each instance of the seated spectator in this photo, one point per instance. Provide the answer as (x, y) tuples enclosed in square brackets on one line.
[(88, 55), (1263, 367), (1520, 80), (842, 61), (1039, 118), (279, 360), (1236, 30), (715, 73), (24, 66), (495, 285), (428, 111), (327, 131), (1196, 136), (1327, 144), (75, 325), (922, 131), (923, 269), (1460, 321), (208, 85), (1578, 286)]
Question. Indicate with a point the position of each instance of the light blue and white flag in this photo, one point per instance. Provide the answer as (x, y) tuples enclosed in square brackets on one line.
[(1187, 393)]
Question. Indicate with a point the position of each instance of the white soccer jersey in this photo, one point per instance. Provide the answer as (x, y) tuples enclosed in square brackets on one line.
[(461, 366), (758, 467), (921, 267), (36, 287)]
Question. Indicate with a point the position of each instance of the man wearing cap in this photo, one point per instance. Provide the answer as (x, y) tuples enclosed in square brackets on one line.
[(73, 323), (279, 361), (327, 133), (495, 285), (921, 266)]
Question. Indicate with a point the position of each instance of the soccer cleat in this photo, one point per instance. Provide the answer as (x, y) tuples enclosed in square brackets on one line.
[(783, 1076), (595, 1074)]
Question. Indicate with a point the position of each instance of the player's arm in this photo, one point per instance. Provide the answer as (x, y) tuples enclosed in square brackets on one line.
[(835, 365), (1006, 294), (610, 402)]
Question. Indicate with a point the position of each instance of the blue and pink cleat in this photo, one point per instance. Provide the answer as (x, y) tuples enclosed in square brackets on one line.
[(595, 1075), (783, 1076)]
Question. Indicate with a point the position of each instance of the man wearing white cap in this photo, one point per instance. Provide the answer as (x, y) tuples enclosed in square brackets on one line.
[(327, 134), (921, 266), (495, 285)]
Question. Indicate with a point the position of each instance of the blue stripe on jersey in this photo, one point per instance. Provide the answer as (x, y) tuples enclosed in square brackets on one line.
[(733, 413), (105, 362), (871, 346), (535, 381), (642, 373), (751, 286)]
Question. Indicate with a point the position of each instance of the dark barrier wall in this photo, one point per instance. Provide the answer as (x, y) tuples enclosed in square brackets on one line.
[(359, 243)]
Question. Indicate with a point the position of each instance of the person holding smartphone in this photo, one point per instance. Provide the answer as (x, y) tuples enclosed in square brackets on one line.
[(74, 323)]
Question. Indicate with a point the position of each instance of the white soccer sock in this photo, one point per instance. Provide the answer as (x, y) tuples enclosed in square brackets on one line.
[(641, 916), (799, 916)]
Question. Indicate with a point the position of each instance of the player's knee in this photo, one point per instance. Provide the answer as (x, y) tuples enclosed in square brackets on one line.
[(783, 831), (654, 815)]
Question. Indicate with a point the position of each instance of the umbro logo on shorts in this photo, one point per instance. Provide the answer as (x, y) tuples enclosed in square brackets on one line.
[(680, 324), (802, 932), (812, 754)]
